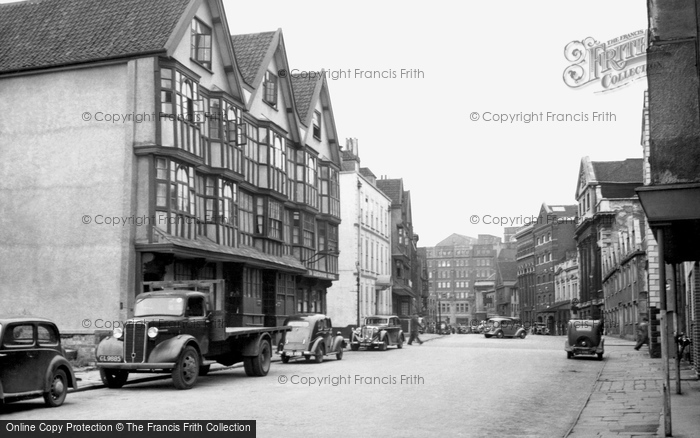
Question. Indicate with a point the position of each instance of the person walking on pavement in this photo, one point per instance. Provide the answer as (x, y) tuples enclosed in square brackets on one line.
[(415, 325), (642, 333)]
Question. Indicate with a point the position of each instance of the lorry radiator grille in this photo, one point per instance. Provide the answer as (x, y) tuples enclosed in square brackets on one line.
[(135, 342)]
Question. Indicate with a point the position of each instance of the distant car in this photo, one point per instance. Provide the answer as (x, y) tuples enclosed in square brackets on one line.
[(379, 331), (463, 329), (540, 328), (421, 325), (584, 337), (311, 335), (32, 362), (443, 328), (504, 327)]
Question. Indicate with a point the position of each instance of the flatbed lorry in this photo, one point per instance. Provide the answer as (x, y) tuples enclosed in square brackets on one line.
[(182, 332)]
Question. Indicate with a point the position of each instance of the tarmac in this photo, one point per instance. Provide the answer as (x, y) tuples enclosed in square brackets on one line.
[(625, 401)]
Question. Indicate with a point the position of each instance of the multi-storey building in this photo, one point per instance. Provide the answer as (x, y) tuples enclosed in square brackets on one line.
[(364, 284), (565, 291), (506, 287), (603, 188), (624, 261), (553, 237), (406, 295), (525, 259), (456, 266), (169, 151)]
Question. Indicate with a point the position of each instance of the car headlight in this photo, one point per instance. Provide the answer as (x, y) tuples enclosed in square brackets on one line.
[(117, 333), (152, 332)]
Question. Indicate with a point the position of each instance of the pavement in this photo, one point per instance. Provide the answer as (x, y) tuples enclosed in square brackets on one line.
[(627, 397), (89, 376)]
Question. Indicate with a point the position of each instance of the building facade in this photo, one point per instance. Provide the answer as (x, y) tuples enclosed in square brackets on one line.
[(171, 153), (566, 281), (525, 259), (406, 295), (603, 187), (364, 284)]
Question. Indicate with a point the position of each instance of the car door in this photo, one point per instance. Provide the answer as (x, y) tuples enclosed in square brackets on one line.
[(19, 369), (48, 345), (324, 331)]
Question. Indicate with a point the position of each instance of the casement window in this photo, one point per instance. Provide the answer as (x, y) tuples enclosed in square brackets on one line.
[(273, 161), (175, 197), (317, 125), (217, 210), (270, 88), (330, 192), (246, 218), (226, 136), (201, 43)]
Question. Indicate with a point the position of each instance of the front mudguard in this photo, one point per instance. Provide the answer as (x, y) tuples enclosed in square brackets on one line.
[(170, 349), (109, 347)]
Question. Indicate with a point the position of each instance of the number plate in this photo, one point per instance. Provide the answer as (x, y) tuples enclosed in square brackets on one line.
[(110, 358)]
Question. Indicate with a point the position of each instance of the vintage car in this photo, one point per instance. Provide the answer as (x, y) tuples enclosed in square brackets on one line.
[(463, 329), (584, 337), (32, 361), (443, 328), (378, 331), (311, 335), (540, 328), (504, 327)]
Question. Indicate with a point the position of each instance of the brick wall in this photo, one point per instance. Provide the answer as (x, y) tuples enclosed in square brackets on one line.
[(84, 344)]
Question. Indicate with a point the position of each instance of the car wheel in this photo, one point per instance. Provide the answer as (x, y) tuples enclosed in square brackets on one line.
[(522, 335), (400, 343), (354, 347), (261, 362), (339, 353), (285, 358), (569, 355), (600, 356), (320, 353), (186, 369), (204, 370), (499, 335), (113, 378), (58, 389), (384, 344)]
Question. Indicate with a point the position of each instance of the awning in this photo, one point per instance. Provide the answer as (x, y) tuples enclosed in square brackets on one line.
[(205, 248), (564, 305)]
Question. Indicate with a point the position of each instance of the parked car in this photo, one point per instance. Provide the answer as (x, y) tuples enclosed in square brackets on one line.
[(540, 328), (421, 325), (503, 326), (32, 361), (311, 335), (462, 329), (443, 328), (378, 331), (584, 337)]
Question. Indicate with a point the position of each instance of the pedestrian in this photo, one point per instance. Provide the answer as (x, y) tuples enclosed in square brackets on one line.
[(415, 325), (642, 333)]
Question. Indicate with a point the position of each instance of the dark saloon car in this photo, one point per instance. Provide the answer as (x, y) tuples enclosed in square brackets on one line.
[(379, 331), (584, 337), (32, 361), (504, 327), (311, 335)]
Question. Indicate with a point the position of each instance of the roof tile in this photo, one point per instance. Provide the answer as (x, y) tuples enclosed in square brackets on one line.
[(250, 50)]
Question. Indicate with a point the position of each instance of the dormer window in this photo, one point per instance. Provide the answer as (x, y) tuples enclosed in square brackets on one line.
[(317, 125), (201, 43), (270, 88)]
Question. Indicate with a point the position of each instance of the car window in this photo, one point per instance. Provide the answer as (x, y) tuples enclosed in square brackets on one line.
[(195, 306), (21, 335), (298, 323), (47, 335)]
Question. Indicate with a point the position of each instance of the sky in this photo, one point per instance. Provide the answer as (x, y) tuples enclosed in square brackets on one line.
[(498, 57)]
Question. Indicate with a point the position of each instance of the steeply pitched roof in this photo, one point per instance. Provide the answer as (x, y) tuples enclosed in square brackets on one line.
[(51, 33), (507, 271), (303, 93), (393, 188), (629, 170), (250, 50)]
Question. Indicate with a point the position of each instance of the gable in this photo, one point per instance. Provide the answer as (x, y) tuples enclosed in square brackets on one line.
[(585, 176)]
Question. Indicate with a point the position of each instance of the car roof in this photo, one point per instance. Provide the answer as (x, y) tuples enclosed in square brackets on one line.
[(169, 293), (11, 319), (382, 316)]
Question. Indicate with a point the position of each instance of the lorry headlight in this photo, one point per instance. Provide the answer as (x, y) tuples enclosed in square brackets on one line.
[(117, 333), (152, 332)]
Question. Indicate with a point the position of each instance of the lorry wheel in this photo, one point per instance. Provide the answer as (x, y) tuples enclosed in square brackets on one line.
[(261, 363), (58, 389), (187, 369), (320, 353), (248, 366), (204, 370), (113, 378)]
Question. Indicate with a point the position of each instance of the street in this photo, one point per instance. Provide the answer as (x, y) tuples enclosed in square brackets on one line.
[(457, 385)]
